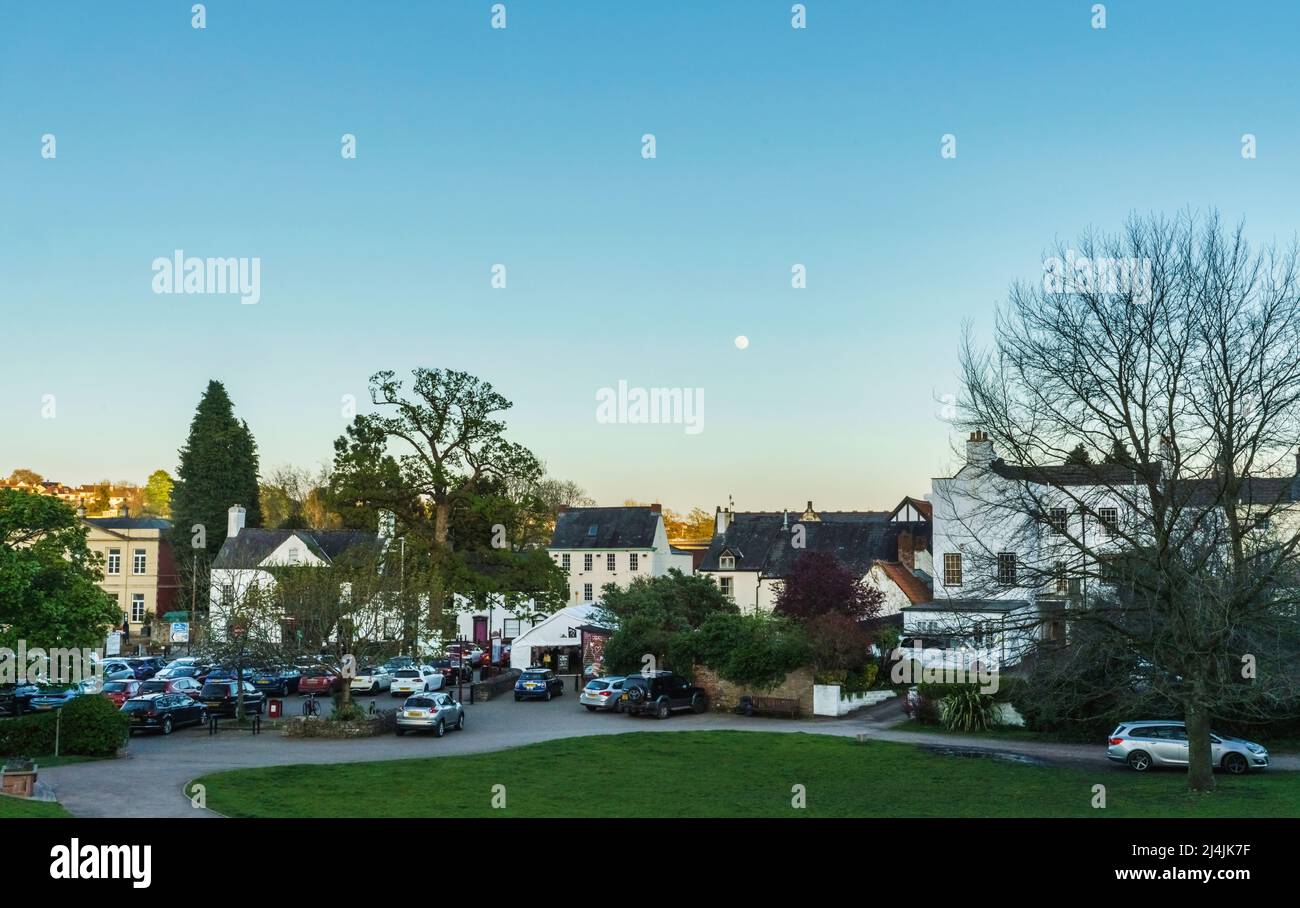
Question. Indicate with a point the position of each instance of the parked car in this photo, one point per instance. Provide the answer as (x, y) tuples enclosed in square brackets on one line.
[(115, 670), (1163, 742), (660, 694), (229, 673), (163, 712), (121, 691), (471, 653), (603, 693), (145, 667), (319, 679), (452, 671), (437, 711), (186, 685), (538, 682), (57, 696), (371, 680), (16, 699), (281, 681), (222, 697), (393, 665), (415, 680)]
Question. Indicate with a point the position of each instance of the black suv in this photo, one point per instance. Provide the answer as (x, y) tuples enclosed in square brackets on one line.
[(221, 698), (659, 693), (163, 712)]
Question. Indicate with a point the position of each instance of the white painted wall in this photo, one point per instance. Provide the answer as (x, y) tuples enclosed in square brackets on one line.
[(655, 561)]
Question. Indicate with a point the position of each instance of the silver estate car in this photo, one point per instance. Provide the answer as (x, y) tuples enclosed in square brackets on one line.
[(603, 693), (437, 711), (1161, 742)]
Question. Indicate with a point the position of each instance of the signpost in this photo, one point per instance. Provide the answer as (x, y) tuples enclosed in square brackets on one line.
[(180, 632)]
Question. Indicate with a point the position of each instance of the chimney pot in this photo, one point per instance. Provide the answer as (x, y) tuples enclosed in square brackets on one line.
[(656, 508)]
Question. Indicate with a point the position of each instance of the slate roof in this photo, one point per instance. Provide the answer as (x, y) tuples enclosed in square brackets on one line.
[(1259, 490), (758, 542), (252, 546), (913, 587), (616, 528), (130, 523)]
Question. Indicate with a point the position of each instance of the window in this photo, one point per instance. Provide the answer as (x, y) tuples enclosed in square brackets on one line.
[(633, 561), (586, 592), (137, 561), (1261, 523), (1109, 520), (294, 555), (726, 562), (566, 562), (1056, 517), (1006, 568), (1062, 581), (114, 565), (728, 587), (510, 628), (952, 569), (586, 562), (591, 531), (137, 607), (610, 562)]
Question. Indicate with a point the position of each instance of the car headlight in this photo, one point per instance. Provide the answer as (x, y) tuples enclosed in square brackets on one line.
[(1254, 748)]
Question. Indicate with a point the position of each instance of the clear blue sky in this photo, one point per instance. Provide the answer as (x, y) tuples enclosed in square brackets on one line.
[(478, 146)]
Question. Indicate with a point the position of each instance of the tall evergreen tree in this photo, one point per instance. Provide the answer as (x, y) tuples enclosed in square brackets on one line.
[(218, 468), (1078, 457)]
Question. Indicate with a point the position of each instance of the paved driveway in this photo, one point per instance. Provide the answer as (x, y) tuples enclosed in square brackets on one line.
[(150, 780)]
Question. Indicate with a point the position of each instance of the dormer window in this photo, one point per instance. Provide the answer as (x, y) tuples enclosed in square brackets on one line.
[(591, 531), (726, 562), (295, 557)]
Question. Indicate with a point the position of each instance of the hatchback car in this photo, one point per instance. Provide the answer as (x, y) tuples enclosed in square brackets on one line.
[(16, 699), (121, 691), (184, 685), (538, 683), (603, 693), (57, 696), (437, 711), (1161, 742), (319, 679), (222, 698), (282, 681), (163, 712), (415, 680), (370, 681)]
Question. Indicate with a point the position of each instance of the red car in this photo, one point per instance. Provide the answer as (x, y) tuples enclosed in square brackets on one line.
[(121, 691), (182, 685), (319, 680)]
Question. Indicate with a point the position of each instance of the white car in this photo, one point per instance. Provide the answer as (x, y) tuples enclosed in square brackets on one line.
[(415, 680), (371, 680)]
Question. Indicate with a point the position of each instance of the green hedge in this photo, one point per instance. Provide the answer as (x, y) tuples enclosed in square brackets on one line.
[(91, 726)]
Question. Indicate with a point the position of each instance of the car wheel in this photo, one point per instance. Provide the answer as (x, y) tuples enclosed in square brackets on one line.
[(663, 711), (1139, 760), (400, 732), (440, 729), (374, 689), (548, 695), (1235, 763), (590, 708), (167, 725), (518, 698), (698, 704), (460, 723)]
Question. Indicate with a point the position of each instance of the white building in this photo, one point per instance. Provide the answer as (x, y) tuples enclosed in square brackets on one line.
[(599, 546)]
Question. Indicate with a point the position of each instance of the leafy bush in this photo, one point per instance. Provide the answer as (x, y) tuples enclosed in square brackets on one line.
[(751, 650), (967, 709), (27, 736), (92, 726), (838, 644), (351, 712)]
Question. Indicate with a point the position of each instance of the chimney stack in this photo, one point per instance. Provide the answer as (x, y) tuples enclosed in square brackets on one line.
[(234, 521), (81, 508), (560, 509), (906, 550), (721, 520), (656, 508), (979, 450)]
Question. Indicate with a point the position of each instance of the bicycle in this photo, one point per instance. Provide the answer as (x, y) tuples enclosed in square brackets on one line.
[(310, 707)]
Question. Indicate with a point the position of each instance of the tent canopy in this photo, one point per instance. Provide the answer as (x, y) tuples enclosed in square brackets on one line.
[(561, 629)]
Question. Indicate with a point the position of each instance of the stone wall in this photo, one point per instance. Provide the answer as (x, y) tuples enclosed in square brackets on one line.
[(798, 685)]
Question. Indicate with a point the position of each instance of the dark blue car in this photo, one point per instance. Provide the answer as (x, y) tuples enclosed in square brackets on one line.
[(538, 684)]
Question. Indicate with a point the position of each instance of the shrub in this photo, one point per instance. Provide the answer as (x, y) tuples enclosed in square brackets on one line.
[(352, 712), (27, 736), (751, 650), (967, 709), (92, 726)]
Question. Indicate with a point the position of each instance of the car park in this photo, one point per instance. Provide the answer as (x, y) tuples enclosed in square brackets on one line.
[(393, 665), (183, 685), (222, 698), (660, 694), (538, 682), (114, 670), (434, 712), (603, 693), (452, 670), (371, 680), (416, 679), (120, 691), (277, 681), (145, 667), (163, 712), (16, 699), (1163, 742), (319, 680)]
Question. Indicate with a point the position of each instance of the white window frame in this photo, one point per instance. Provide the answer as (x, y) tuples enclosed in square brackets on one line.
[(953, 567), (633, 561), (139, 561), (566, 562), (137, 607), (587, 593), (1008, 578), (611, 562), (113, 563), (1109, 527), (587, 559), (726, 562)]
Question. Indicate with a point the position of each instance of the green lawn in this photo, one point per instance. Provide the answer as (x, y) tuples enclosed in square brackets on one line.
[(728, 774), (17, 808)]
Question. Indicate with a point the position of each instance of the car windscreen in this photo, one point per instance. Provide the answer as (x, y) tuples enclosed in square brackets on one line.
[(153, 687), (420, 703), (116, 687), (441, 663), (408, 673), (137, 706), (217, 690), (597, 685), (533, 676), (317, 673), (636, 681)]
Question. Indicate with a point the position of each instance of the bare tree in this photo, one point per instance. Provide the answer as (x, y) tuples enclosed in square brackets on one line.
[(1170, 354)]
